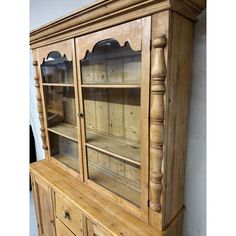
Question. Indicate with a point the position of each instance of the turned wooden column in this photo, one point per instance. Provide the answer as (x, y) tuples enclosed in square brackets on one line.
[(158, 74), (40, 106)]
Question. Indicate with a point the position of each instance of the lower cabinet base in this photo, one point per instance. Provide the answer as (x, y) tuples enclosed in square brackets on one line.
[(66, 207), (62, 230)]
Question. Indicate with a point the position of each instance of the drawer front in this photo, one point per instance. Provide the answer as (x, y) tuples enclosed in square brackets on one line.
[(69, 214), (62, 230), (95, 230)]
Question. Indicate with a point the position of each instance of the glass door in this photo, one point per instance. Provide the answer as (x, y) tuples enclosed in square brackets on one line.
[(61, 107), (112, 94)]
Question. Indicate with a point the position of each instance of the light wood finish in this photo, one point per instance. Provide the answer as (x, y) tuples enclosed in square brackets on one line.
[(129, 123), (69, 161), (144, 124), (62, 230), (113, 146), (178, 93), (78, 111), (177, 60), (69, 214), (105, 14), (114, 184), (123, 171), (64, 48), (128, 32), (92, 204), (94, 229), (40, 106), (58, 84), (110, 86), (158, 75), (65, 130), (117, 112), (44, 207), (69, 108), (160, 36)]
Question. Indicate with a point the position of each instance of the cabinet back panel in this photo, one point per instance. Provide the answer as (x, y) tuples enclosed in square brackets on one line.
[(115, 112)]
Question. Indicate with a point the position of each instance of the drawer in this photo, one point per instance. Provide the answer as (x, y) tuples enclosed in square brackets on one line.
[(96, 230), (62, 230), (69, 214)]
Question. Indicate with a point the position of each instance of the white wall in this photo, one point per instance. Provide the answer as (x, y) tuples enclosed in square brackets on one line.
[(195, 173), (195, 218)]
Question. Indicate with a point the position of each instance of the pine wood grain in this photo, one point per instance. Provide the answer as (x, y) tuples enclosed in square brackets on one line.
[(129, 120), (104, 14), (65, 130), (91, 203), (62, 230), (178, 92), (69, 214)]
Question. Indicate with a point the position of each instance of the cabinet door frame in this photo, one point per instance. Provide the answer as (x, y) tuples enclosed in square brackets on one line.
[(65, 48), (140, 40), (36, 185)]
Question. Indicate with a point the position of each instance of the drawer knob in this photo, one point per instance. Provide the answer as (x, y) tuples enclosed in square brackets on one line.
[(66, 214)]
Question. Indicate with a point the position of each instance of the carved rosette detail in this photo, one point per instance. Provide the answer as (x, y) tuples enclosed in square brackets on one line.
[(39, 106), (158, 74)]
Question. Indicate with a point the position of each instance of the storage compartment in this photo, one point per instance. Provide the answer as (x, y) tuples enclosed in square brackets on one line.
[(115, 174), (64, 150), (94, 229), (61, 112), (112, 118), (69, 214), (62, 230)]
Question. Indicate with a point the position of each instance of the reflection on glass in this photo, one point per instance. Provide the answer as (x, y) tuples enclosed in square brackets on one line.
[(118, 176), (64, 150), (60, 108), (112, 118), (109, 63), (57, 69)]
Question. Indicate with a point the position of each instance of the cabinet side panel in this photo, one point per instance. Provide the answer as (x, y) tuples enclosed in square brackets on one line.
[(178, 92)]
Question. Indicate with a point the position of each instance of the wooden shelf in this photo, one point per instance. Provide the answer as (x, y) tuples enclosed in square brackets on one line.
[(68, 160), (115, 185), (111, 86), (59, 84), (119, 177), (114, 147), (65, 130)]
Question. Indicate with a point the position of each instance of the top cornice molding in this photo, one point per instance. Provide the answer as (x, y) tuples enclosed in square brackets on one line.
[(106, 13)]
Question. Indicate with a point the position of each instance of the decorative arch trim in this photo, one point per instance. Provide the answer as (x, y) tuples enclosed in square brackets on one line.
[(65, 49), (130, 32)]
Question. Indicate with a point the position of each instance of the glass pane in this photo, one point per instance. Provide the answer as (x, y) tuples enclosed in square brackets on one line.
[(111, 64), (64, 150), (57, 69), (60, 108), (112, 118), (118, 176)]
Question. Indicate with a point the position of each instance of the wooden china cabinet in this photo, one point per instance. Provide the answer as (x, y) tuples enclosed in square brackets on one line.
[(113, 82)]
